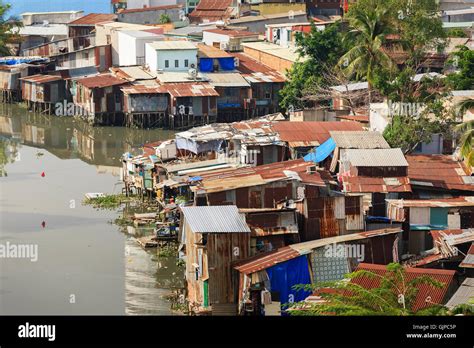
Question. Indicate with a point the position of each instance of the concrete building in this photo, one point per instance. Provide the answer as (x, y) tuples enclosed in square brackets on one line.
[(227, 39), (151, 15), (171, 56), (131, 46), (63, 17)]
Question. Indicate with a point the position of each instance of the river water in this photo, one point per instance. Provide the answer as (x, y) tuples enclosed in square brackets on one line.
[(85, 264)]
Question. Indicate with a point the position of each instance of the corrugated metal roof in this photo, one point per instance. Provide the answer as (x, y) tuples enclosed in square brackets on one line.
[(286, 53), (215, 219), (256, 72), (357, 118), (351, 87), (366, 184), (311, 133), (232, 32), (133, 73), (433, 203), (359, 140), (101, 81), (464, 295), (374, 157), (41, 78), (173, 45), (152, 8), (207, 51), (425, 292), (468, 261), (439, 171), (227, 80), (263, 261), (189, 89), (93, 18)]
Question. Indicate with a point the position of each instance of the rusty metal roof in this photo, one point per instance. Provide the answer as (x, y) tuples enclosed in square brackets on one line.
[(101, 81), (426, 293), (468, 261), (212, 9), (215, 219), (359, 140), (259, 175), (142, 89), (433, 203), (256, 72), (311, 133), (93, 18), (41, 78), (438, 171), (152, 8), (365, 184), (358, 118), (207, 51), (189, 89), (232, 32), (266, 260)]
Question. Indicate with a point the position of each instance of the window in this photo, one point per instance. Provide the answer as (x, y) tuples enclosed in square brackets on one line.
[(167, 63), (186, 63), (176, 63)]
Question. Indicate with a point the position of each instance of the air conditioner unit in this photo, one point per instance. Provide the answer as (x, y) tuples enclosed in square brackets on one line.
[(311, 169), (236, 61)]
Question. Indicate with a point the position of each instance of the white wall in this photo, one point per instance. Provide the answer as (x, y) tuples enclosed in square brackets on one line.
[(209, 38), (156, 60), (130, 48), (151, 57), (379, 116), (149, 3)]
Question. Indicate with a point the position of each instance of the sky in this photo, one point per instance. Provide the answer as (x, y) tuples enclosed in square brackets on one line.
[(20, 6)]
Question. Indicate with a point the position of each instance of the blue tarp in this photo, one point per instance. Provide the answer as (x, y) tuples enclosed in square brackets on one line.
[(206, 64), (227, 64), (287, 274), (321, 152)]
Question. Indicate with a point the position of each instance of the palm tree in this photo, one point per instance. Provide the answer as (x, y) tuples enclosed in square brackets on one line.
[(467, 128), (368, 28), (395, 295)]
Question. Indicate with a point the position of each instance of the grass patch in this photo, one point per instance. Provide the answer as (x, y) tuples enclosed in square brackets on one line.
[(107, 202)]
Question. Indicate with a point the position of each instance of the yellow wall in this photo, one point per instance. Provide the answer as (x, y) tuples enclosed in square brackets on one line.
[(266, 9)]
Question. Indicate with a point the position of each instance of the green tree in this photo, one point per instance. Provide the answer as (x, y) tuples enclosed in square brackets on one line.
[(456, 32), (395, 295), (322, 48), (463, 62), (7, 34), (164, 19)]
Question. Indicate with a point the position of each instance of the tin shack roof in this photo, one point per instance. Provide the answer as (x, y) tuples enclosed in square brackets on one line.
[(39, 79), (206, 51), (259, 175), (93, 18), (215, 219), (305, 134), (189, 89), (366, 184), (232, 32), (432, 203), (439, 171), (256, 72), (468, 261), (266, 260), (425, 291), (359, 140), (227, 80), (385, 157), (101, 81), (151, 8), (212, 10), (464, 295)]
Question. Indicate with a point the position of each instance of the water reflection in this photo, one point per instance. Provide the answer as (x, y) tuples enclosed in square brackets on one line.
[(81, 253)]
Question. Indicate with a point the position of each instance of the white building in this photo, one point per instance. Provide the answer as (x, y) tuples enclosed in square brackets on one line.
[(171, 55), (131, 46), (228, 39)]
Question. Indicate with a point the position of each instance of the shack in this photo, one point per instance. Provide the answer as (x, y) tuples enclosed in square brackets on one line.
[(145, 105), (267, 280), (42, 92), (100, 99), (213, 239)]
